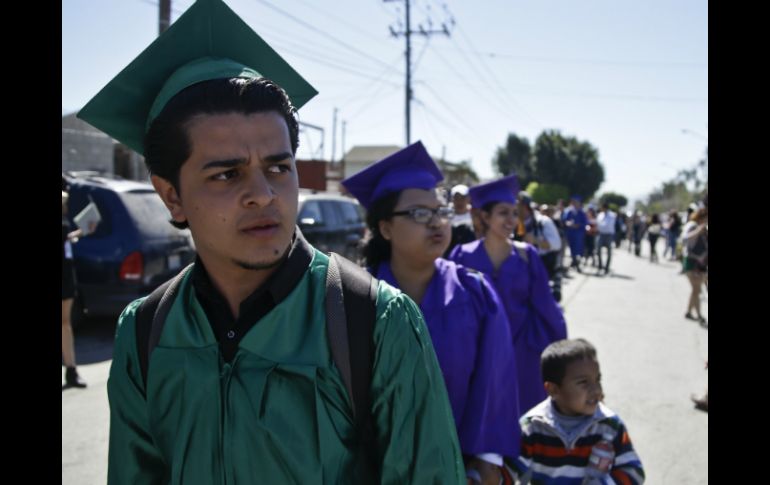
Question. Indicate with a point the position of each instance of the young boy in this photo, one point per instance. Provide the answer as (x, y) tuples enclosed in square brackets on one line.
[(571, 437)]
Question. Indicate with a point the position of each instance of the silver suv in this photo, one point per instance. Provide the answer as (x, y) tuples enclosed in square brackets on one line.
[(332, 222)]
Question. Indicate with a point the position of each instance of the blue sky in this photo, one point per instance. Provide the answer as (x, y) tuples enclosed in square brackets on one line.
[(626, 76)]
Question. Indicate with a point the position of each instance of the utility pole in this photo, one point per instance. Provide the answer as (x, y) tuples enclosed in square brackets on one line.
[(303, 126), (407, 33), (164, 17), (344, 125), (334, 136)]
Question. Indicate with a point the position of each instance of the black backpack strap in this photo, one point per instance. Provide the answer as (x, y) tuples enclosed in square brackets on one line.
[(151, 317), (353, 355), (336, 326)]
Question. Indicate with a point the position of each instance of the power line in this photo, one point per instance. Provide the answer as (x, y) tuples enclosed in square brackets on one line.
[(655, 64), (427, 122), (349, 25), (480, 93), (373, 99), (632, 97), (422, 53), (450, 110), (335, 65), (500, 90), (455, 129), (581, 94), (374, 96), (321, 32)]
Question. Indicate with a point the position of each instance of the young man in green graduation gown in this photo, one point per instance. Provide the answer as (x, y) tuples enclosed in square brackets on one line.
[(241, 387)]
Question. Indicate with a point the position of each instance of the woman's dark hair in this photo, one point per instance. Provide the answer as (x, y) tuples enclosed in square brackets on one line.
[(167, 144), (558, 355), (655, 219), (488, 208), (377, 248)]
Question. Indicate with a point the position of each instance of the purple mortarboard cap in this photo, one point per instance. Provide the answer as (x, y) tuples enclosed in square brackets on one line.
[(409, 168), (502, 190), (577, 198)]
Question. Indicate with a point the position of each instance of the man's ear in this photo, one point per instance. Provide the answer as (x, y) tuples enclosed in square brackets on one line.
[(385, 229), (170, 197), (551, 388)]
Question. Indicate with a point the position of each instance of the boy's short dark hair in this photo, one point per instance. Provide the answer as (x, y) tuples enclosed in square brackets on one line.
[(559, 354)]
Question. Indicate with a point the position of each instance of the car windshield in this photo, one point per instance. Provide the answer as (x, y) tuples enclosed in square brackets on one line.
[(149, 213)]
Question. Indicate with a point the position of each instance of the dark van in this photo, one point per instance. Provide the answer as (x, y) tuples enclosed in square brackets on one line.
[(133, 250)]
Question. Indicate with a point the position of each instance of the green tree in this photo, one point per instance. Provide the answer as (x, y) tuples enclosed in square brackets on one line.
[(547, 193), (515, 157), (613, 198), (671, 195), (568, 162)]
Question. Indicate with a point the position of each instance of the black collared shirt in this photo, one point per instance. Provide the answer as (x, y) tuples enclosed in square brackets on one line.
[(229, 331)]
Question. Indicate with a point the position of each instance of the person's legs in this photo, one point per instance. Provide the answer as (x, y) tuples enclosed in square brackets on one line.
[(68, 346), (696, 280), (67, 339), (599, 252), (653, 251), (554, 275), (574, 251)]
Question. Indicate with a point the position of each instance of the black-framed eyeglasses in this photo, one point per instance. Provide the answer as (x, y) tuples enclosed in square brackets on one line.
[(423, 215)]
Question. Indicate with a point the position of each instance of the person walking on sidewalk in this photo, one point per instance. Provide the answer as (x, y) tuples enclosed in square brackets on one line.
[(606, 223)]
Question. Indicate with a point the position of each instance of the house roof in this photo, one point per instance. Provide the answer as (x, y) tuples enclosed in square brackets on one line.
[(370, 153)]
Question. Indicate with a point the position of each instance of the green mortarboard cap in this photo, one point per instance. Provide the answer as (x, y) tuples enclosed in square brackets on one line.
[(209, 41)]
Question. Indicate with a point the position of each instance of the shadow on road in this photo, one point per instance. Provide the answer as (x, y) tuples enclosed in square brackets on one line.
[(620, 276)]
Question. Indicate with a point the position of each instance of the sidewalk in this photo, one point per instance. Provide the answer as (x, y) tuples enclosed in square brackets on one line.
[(651, 359)]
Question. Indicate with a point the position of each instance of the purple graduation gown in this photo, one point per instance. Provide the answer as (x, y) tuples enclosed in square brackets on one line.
[(470, 335), (535, 318), (576, 235)]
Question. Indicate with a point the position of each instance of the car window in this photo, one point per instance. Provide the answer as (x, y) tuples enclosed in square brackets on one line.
[(350, 213), (149, 213), (80, 198), (331, 212), (361, 211), (311, 210)]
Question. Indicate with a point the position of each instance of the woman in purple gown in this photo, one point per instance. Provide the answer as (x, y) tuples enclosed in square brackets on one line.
[(521, 281), (471, 336)]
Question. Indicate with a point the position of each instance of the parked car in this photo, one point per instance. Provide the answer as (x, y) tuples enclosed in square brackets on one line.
[(133, 250), (332, 222)]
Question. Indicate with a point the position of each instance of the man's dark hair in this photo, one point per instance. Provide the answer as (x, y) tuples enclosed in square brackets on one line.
[(377, 248), (557, 356), (167, 144)]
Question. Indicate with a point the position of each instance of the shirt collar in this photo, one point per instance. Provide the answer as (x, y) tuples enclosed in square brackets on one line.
[(278, 286)]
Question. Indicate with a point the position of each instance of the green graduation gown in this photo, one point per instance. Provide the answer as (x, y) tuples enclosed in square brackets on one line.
[(278, 413)]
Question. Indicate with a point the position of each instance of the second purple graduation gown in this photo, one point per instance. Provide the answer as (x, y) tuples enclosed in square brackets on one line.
[(471, 337), (535, 318)]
